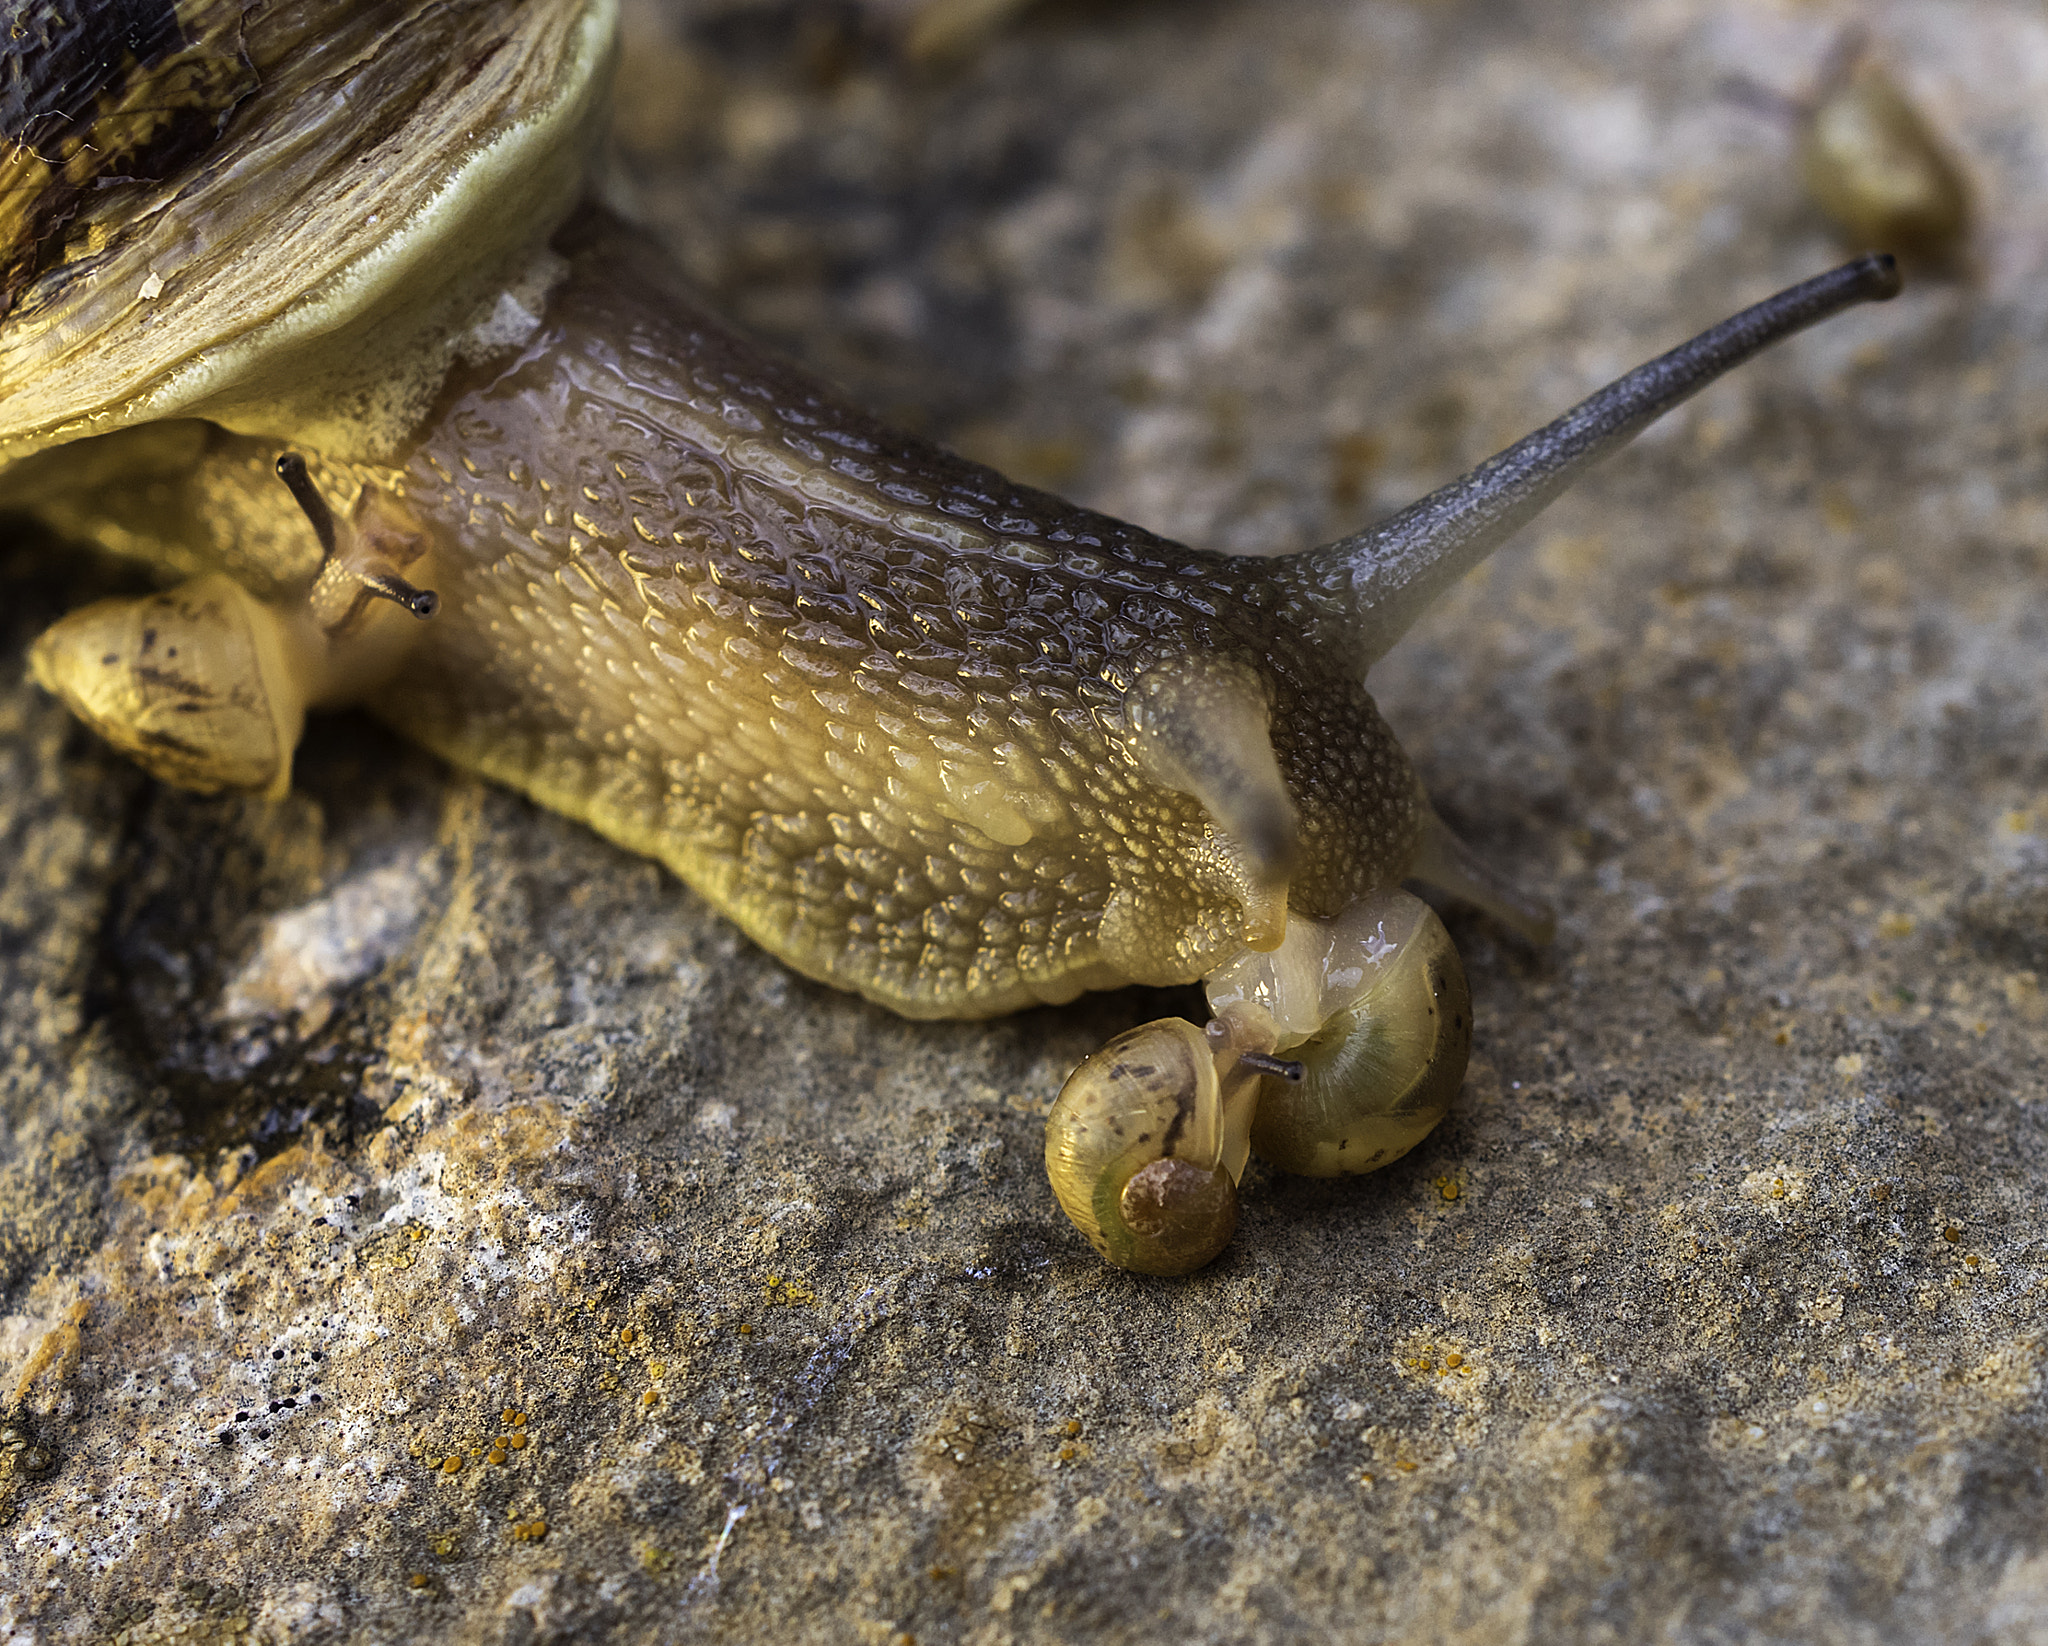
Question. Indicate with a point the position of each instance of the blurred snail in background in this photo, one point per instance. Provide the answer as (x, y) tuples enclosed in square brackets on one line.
[(304, 307), (1870, 160)]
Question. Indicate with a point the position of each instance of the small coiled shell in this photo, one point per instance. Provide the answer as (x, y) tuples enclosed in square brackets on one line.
[(1374, 1006), (1875, 166), (1149, 1136), (191, 684)]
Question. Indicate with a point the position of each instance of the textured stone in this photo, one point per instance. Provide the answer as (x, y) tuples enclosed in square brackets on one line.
[(401, 1122)]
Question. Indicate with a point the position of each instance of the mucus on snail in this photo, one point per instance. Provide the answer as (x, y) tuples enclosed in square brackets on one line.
[(419, 431)]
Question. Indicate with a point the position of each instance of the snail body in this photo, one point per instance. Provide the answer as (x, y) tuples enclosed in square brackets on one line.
[(922, 733)]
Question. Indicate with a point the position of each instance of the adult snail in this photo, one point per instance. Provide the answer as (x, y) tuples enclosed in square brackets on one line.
[(454, 447)]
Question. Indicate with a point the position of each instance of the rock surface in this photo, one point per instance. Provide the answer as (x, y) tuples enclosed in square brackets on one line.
[(419, 1220)]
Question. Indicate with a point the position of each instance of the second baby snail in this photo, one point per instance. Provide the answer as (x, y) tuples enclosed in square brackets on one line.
[(334, 339)]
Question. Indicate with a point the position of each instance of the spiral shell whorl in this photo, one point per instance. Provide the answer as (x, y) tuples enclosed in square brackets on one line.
[(1375, 1006), (1148, 1138)]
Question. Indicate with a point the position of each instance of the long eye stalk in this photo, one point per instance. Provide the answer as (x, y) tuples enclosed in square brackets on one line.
[(1388, 574)]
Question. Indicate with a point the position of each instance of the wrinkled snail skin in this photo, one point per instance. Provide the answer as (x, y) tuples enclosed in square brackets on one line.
[(868, 698), (922, 733)]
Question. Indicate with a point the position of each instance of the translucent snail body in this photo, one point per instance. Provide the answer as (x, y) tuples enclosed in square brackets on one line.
[(922, 733)]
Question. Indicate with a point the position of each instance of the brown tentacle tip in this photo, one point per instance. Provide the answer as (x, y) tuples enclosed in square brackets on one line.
[(1880, 273)]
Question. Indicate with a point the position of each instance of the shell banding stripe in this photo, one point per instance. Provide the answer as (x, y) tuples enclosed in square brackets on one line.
[(105, 99)]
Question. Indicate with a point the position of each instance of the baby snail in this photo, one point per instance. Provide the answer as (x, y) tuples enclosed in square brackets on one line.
[(322, 327), (1878, 171)]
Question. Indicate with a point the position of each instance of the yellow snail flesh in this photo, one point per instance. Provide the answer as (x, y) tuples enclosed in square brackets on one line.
[(1373, 1007)]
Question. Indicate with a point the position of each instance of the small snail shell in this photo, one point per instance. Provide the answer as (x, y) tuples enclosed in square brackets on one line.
[(183, 683), (1374, 1006), (1875, 166), (1149, 1136)]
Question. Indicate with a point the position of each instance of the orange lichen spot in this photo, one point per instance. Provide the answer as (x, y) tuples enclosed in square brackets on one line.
[(1068, 1454), (1453, 1361), (651, 1398), (1972, 1261), (746, 1328), (508, 1417), (1448, 1189), (1952, 1234), (1406, 1467), (529, 1531), (1073, 1425), (416, 1231), (1783, 1037), (497, 1454), (418, 1580), (516, 1442), (518, 1420), (451, 1464), (628, 1336), (657, 1368), (780, 1289)]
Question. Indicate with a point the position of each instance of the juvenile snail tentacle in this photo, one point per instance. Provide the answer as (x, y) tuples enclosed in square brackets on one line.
[(360, 564), (1281, 1068), (1149, 1136), (1375, 1008), (207, 685)]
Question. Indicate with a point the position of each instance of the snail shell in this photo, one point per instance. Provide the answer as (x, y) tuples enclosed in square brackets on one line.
[(1374, 1007), (1877, 168), (287, 219), (1148, 1138)]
